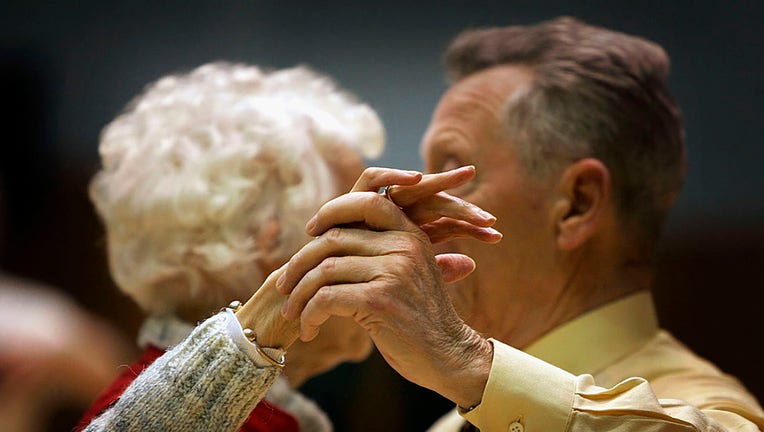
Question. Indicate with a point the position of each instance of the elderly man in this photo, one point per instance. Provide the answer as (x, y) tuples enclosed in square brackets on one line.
[(579, 151)]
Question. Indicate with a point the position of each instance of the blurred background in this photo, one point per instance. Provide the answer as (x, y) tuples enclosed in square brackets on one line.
[(67, 68)]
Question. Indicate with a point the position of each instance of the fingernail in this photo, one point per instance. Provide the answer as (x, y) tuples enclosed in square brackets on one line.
[(496, 233), (284, 309), (310, 225), (308, 335), (280, 281), (414, 175), (485, 215)]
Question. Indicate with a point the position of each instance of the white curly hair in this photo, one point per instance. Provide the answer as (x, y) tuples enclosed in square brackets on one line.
[(201, 166)]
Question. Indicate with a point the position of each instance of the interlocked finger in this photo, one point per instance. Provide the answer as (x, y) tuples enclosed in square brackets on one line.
[(431, 184), (374, 178), (369, 208), (440, 205), (333, 271), (411, 186), (343, 300), (339, 242), (446, 229)]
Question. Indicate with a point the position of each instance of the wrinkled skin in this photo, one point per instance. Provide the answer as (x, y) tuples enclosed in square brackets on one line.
[(430, 216), (385, 275)]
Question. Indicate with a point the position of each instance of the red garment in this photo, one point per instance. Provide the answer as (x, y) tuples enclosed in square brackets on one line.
[(265, 417)]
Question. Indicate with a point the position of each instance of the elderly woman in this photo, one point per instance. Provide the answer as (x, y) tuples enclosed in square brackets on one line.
[(208, 179)]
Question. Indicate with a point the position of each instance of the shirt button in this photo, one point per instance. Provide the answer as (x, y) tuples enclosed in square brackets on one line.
[(516, 427)]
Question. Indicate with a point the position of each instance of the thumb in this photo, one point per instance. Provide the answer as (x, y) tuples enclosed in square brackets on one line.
[(454, 266)]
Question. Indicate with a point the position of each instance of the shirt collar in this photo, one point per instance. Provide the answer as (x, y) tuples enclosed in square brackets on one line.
[(596, 339)]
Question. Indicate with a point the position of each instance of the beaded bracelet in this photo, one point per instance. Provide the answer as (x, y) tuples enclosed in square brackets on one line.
[(235, 306)]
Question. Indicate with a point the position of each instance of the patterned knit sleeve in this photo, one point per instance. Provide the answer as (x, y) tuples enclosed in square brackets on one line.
[(207, 383)]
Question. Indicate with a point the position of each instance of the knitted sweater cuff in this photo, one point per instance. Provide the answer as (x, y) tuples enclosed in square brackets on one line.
[(207, 383)]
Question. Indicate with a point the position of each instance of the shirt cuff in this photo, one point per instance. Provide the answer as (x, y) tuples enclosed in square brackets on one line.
[(236, 333), (522, 388)]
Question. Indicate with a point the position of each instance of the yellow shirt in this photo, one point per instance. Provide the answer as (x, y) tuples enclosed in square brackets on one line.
[(611, 369)]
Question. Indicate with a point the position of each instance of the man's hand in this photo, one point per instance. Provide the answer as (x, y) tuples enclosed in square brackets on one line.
[(387, 278), (422, 199), (439, 215)]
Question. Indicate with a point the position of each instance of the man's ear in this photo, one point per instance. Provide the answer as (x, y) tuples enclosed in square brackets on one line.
[(585, 195)]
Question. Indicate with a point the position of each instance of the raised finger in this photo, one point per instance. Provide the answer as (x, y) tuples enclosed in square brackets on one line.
[(369, 208), (454, 267), (446, 229), (430, 184), (374, 178), (344, 300), (338, 241), (333, 271), (441, 204)]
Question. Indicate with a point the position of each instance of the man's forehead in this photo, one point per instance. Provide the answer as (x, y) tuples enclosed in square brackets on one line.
[(502, 78), (487, 89)]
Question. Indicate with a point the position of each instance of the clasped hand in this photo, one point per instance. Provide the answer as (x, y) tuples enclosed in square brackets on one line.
[(373, 261)]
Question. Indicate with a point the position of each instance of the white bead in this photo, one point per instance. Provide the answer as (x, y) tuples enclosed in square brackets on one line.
[(250, 334)]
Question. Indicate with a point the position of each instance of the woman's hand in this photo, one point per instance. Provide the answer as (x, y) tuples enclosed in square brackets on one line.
[(440, 216), (372, 263), (424, 200)]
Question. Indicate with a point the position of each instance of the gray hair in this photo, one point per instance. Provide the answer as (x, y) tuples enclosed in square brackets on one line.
[(595, 93), (200, 164)]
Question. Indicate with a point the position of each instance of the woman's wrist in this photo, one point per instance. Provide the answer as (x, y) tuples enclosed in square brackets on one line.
[(268, 325), (262, 314)]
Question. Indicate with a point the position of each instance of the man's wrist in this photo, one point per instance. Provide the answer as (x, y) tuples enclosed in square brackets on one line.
[(470, 377)]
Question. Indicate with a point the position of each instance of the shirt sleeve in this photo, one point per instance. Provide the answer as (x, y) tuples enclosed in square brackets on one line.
[(208, 382), (526, 394)]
